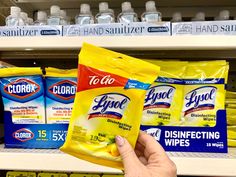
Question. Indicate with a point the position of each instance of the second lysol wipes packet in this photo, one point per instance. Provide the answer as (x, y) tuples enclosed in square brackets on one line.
[(60, 92), (204, 92), (109, 102), (164, 99)]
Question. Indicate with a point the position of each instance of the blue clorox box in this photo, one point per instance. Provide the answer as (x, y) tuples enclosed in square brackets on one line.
[(42, 136)]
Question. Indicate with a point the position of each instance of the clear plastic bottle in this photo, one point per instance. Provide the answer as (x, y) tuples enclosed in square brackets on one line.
[(105, 14), (200, 16), (223, 15), (14, 18), (30, 21), (85, 16), (63, 17), (41, 18), (24, 16), (176, 17), (68, 19), (151, 14), (54, 18), (127, 15)]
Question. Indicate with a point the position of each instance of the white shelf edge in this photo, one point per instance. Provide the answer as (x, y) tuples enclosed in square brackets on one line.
[(205, 166), (120, 42), (197, 164)]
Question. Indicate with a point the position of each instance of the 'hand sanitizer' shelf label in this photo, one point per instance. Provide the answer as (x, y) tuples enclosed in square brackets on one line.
[(118, 29), (227, 27), (29, 31)]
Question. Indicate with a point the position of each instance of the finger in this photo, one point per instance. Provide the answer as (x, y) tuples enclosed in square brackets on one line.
[(127, 154), (139, 147), (143, 160), (151, 145), (138, 152)]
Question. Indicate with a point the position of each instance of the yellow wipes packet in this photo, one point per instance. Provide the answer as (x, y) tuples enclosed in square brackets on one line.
[(108, 102), (230, 101), (231, 119), (230, 94), (164, 99), (231, 132), (231, 143), (231, 116), (231, 106), (204, 92), (56, 72)]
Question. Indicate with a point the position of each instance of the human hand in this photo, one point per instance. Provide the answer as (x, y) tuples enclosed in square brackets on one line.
[(147, 160)]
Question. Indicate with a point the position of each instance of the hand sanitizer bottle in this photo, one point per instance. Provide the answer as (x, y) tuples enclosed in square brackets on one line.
[(127, 15), (54, 18), (85, 16), (63, 17), (30, 21), (24, 16), (223, 15), (200, 16), (151, 14), (105, 14), (41, 18), (176, 17), (14, 18), (68, 19)]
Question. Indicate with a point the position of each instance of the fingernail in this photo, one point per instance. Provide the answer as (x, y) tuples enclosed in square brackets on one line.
[(119, 140)]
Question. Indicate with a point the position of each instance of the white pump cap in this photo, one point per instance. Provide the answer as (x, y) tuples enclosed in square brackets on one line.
[(55, 10), (103, 6), (41, 16), (85, 9), (150, 6), (15, 11), (126, 7), (24, 16), (111, 11), (177, 17), (200, 16), (30, 21), (63, 13), (224, 15)]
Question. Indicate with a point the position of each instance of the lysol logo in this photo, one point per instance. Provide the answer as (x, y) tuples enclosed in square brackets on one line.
[(21, 88), (64, 89), (159, 97), (23, 135), (105, 80), (154, 132), (111, 105), (202, 98)]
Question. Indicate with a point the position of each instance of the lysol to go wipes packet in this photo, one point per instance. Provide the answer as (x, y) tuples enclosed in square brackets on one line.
[(164, 99), (204, 92), (23, 94), (108, 102), (60, 88)]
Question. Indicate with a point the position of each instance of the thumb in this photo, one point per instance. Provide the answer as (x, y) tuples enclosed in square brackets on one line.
[(127, 154)]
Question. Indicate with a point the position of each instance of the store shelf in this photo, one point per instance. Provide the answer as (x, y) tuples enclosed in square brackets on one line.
[(120, 42), (46, 160), (198, 164)]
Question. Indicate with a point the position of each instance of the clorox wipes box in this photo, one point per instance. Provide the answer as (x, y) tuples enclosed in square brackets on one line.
[(25, 125)]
